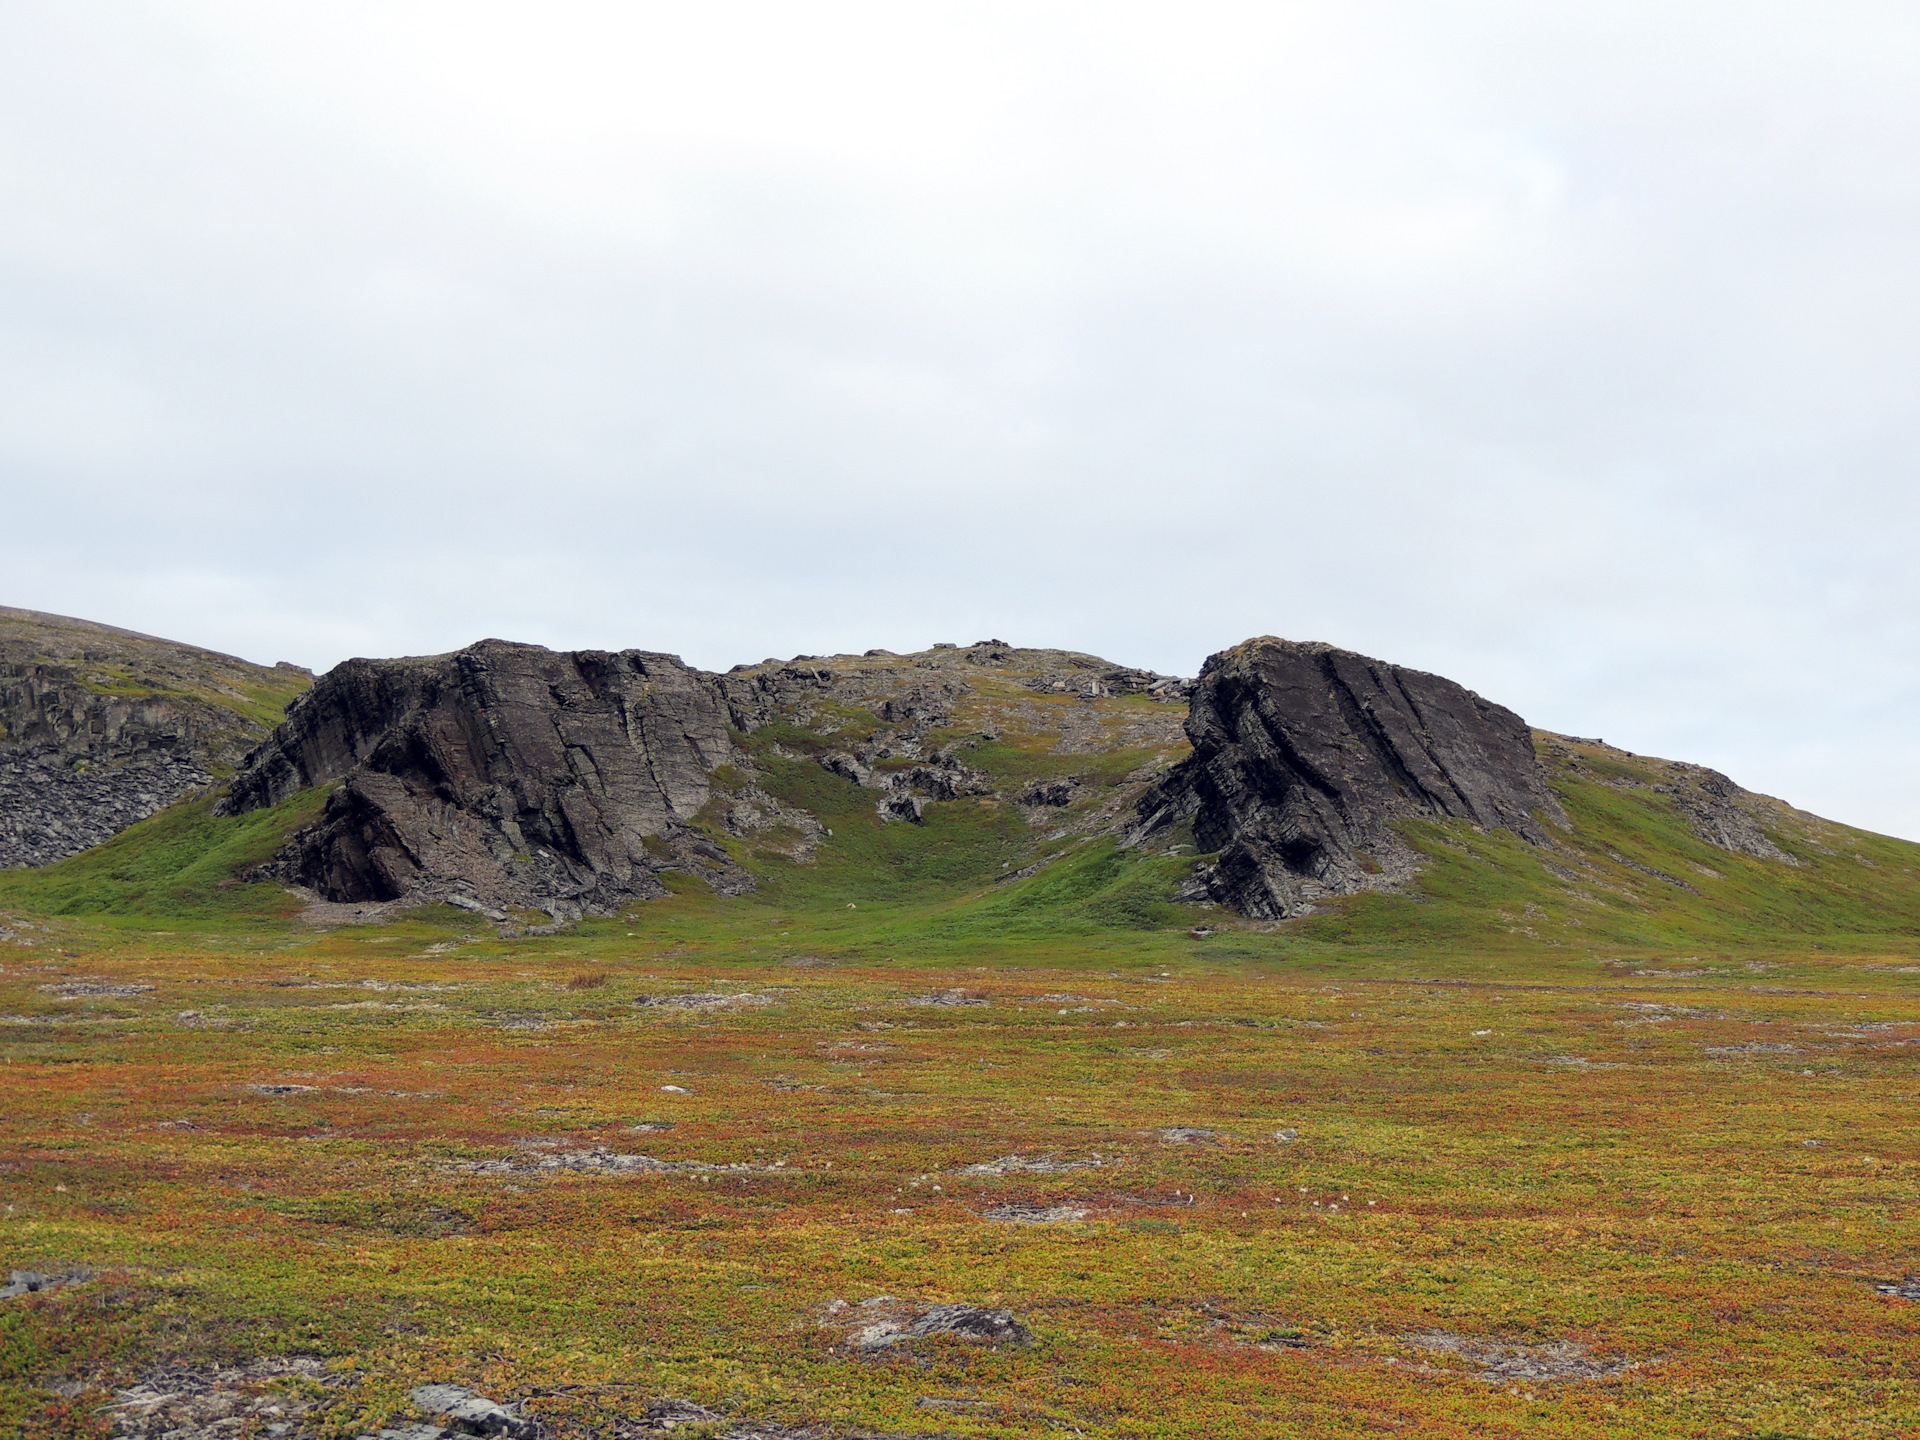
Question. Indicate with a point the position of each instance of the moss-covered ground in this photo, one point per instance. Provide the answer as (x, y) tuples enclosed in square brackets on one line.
[(1514, 1155)]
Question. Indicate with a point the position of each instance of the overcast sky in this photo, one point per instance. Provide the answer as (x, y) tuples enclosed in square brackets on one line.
[(1571, 351)]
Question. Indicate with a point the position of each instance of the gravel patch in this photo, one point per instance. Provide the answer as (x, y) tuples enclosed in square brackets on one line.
[(1501, 1362)]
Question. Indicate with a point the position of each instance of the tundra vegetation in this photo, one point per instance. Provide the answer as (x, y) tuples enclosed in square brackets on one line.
[(1610, 1137)]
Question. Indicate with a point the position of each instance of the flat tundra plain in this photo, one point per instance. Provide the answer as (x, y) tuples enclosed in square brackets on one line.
[(639, 1177)]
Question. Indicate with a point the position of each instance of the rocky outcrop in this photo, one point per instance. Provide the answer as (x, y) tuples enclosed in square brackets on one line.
[(905, 790), (101, 727), (1305, 757), (508, 776), (502, 773), (1718, 811)]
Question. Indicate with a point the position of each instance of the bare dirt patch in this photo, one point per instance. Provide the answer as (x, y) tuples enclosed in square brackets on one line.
[(1034, 1165), (709, 1000), (608, 1162), (93, 990), (1503, 1361), (1035, 1214)]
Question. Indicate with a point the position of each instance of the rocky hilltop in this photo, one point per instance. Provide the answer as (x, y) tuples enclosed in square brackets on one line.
[(101, 727), (1307, 760), (505, 775)]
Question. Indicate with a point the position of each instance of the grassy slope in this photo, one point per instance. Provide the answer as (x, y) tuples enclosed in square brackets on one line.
[(1852, 889), (257, 695), (1491, 893), (183, 862), (135, 667)]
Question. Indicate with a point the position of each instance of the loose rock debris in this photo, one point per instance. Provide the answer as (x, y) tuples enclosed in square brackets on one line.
[(885, 1322), (1500, 1362), (472, 1414), (93, 989), (702, 1001), (1907, 1289), (263, 1397), (611, 1162), (1035, 1214), (1038, 1165), (34, 1282), (1187, 1134), (949, 997), (667, 1415)]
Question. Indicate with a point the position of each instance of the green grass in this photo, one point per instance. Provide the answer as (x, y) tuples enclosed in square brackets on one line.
[(262, 701), (182, 863), (1850, 888)]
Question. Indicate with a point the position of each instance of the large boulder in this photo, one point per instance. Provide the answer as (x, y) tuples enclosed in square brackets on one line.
[(1305, 757), (503, 773)]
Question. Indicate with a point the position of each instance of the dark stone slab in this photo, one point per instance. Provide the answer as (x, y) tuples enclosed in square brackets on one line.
[(1305, 756)]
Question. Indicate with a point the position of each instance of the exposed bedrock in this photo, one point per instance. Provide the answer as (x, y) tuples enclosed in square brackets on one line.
[(1304, 756), (101, 727), (506, 773)]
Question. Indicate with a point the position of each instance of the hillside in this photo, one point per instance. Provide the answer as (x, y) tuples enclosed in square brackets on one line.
[(985, 792), (874, 1052), (101, 727)]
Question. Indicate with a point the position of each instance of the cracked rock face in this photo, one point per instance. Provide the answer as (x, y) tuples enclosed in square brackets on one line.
[(507, 774), (1305, 756)]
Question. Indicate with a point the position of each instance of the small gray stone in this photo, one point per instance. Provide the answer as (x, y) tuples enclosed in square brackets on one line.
[(467, 902), (475, 1414)]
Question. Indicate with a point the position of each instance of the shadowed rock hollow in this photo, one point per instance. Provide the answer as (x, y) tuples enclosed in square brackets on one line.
[(1304, 757)]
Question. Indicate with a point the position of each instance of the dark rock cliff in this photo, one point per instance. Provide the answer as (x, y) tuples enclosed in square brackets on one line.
[(504, 774), (1304, 756), (101, 727), (507, 775)]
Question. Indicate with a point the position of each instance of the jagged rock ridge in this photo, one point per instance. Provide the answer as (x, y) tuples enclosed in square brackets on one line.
[(503, 773), (507, 775), (1304, 757), (101, 727)]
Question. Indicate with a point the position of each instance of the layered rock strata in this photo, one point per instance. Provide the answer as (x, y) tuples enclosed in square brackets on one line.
[(506, 774), (1305, 757)]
